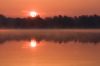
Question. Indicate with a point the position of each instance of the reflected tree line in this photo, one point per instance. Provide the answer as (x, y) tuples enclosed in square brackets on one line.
[(84, 21), (53, 35)]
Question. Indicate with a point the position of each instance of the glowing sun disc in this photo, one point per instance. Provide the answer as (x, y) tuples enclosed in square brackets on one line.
[(33, 43), (33, 14)]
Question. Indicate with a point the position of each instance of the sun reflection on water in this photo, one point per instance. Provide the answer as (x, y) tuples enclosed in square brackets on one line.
[(33, 43)]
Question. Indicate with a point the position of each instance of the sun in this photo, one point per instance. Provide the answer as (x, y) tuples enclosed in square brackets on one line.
[(33, 14), (33, 43)]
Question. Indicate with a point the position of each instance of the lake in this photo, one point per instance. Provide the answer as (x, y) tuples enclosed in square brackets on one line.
[(50, 47)]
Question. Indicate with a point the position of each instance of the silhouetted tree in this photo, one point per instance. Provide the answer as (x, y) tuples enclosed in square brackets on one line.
[(84, 21)]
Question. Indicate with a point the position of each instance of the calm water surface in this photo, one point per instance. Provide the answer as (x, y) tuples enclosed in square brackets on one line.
[(50, 47)]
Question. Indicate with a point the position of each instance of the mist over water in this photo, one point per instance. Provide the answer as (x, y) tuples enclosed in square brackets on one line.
[(83, 36)]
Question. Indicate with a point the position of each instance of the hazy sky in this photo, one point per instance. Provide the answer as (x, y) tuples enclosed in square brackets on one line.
[(21, 8)]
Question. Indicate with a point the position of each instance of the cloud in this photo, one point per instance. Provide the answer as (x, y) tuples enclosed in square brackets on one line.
[(50, 35)]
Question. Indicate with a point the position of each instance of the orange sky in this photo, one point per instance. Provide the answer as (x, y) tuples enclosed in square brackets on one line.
[(21, 8)]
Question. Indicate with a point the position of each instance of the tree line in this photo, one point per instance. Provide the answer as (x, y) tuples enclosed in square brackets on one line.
[(59, 22)]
